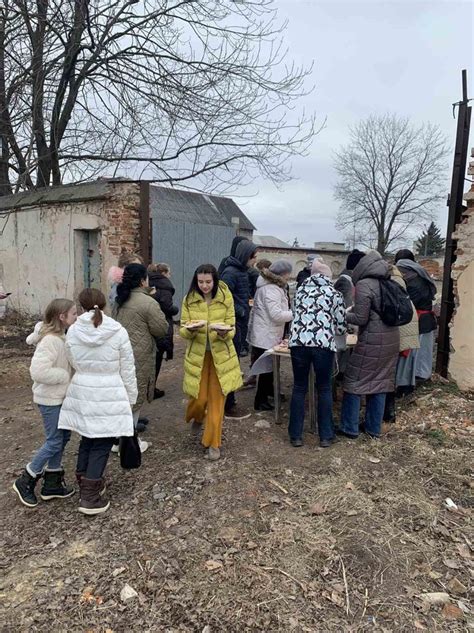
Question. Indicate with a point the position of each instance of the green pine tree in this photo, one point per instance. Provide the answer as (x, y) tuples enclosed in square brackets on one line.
[(430, 242)]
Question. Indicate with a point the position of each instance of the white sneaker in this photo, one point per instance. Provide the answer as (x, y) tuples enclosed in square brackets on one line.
[(143, 445), (115, 448)]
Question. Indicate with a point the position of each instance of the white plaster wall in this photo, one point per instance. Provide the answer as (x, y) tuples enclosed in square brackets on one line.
[(461, 362), (37, 253)]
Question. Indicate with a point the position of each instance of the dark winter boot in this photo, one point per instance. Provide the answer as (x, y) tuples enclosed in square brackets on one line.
[(79, 477), (91, 501), (389, 414), (24, 487), (54, 486)]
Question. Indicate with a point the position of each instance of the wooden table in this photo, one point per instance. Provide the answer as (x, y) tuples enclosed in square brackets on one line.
[(277, 355)]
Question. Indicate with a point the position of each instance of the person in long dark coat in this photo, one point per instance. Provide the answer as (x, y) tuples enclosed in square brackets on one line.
[(159, 278), (370, 371)]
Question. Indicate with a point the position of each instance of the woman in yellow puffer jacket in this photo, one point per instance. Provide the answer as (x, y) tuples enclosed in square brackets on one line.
[(211, 365)]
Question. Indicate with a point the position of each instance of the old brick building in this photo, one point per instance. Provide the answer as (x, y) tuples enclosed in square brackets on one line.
[(56, 241)]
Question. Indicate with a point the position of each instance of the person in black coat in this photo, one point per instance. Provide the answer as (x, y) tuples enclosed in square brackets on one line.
[(306, 271), (159, 278), (235, 275)]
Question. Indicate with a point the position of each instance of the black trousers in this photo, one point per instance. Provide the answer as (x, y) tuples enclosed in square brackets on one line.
[(159, 361), (239, 326), (93, 456), (264, 381)]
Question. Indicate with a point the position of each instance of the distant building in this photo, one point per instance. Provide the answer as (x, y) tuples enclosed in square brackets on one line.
[(58, 240), (330, 246), (263, 241), (272, 248)]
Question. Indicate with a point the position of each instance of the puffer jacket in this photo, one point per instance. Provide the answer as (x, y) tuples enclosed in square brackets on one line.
[(99, 398), (409, 338), (50, 369), (236, 277), (371, 367), (320, 314), (270, 311), (164, 295), (226, 363), (143, 319)]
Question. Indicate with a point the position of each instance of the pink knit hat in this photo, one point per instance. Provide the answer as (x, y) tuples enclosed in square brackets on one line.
[(320, 268)]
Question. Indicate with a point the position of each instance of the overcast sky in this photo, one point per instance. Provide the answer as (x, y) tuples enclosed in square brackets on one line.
[(370, 57)]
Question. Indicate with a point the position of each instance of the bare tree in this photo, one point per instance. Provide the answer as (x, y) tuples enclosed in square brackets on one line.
[(171, 89), (390, 177)]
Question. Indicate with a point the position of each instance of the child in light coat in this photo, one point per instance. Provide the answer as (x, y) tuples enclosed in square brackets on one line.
[(51, 374), (98, 403)]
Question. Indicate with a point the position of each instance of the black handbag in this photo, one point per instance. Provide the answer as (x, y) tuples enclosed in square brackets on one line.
[(130, 453)]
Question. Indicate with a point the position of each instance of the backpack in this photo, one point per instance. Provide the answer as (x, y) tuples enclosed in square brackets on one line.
[(395, 304)]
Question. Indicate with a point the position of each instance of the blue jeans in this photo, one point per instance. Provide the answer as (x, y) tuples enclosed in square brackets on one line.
[(51, 453), (322, 360), (375, 404)]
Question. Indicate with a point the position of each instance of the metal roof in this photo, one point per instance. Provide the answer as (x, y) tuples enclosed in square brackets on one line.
[(97, 190), (269, 241), (230, 209), (198, 208)]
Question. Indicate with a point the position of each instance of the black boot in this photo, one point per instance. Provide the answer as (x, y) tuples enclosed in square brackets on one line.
[(24, 487), (263, 405), (54, 486), (389, 411)]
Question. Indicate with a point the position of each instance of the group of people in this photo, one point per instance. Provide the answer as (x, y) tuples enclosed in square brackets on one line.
[(92, 373)]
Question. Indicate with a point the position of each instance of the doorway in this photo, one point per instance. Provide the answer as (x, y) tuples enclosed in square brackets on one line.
[(87, 261)]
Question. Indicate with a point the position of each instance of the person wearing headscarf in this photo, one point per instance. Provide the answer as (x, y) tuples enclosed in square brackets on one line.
[(270, 313), (422, 291), (306, 271), (345, 286)]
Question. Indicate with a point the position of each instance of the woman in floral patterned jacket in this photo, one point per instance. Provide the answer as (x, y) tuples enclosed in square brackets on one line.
[(320, 315)]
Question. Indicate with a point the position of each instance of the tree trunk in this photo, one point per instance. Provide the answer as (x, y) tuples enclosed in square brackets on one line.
[(381, 241), (5, 186)]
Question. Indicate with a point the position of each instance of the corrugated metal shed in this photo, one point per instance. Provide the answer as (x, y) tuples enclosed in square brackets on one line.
[(184, 206), (230, 209)]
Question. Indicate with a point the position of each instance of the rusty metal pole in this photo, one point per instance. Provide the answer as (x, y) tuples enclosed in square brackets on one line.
[(454, 218)]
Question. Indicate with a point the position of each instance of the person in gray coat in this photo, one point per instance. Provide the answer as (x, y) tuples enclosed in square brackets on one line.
[(371, 369)]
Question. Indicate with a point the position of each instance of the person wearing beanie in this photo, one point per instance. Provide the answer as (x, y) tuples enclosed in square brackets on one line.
[(270, 313), (422, 292), (318, 267), (235, 276), (319, 315), (306, 271)]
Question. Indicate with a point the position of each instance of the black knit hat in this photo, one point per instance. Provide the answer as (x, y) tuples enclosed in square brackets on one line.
[(354, 258)]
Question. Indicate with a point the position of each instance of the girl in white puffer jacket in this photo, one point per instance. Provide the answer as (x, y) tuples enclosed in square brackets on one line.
[(99, 399), (51, 374)]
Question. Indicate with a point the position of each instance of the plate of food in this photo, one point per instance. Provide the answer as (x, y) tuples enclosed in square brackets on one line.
[(220, 327), (195, 325), (282, 348)]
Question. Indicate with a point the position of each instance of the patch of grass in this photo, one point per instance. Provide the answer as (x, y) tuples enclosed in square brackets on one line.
[(437, 436)]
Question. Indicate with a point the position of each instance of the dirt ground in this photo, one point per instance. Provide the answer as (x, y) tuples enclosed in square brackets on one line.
[(270, 538)]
